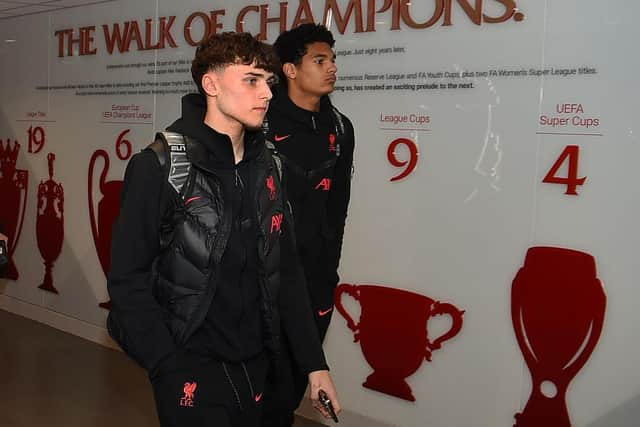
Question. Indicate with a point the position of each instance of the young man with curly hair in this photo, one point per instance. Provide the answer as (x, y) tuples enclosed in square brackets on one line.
[(204, 270)]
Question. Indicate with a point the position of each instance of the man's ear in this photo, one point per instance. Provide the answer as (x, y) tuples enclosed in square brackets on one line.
[(289, 69), (210, 83)]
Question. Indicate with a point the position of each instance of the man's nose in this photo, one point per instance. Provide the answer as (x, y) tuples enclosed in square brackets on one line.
[(266, 92)]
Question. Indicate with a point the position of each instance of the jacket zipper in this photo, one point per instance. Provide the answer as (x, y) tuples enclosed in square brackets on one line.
[(214, 259)]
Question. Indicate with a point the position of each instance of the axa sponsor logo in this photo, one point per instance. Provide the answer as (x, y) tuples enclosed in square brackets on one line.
[(276, 223), (324, 184)]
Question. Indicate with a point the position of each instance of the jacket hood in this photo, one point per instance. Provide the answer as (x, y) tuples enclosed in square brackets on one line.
[(218, 145), (283, 105)]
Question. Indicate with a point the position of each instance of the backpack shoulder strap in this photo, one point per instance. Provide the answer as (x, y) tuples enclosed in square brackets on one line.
[(276, 156), (340, 129), (339, 122), (171, 149), (159, 148)]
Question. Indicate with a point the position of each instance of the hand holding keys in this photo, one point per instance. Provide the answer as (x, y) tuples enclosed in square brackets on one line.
[(326, 402)]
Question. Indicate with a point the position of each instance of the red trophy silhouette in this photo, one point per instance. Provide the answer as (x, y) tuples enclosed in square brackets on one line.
[(393, 333), (108, 209), (14, 185), (557, 307), (50, 224)]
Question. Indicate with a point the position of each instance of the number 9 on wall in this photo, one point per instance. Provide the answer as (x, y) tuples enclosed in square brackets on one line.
[(409, 164)]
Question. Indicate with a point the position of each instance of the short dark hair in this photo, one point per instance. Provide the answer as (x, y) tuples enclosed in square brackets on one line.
[(228, 48), (292, 45)]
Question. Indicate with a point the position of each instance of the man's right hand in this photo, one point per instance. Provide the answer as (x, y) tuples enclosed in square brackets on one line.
[(321, 380), (5, 238)]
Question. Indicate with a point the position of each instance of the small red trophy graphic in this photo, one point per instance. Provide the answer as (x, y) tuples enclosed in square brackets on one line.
[(14, 185), (50, 224), (108, 209), (393, 333), (557, 307)]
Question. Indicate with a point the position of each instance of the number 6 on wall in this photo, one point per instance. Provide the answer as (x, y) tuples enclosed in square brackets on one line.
[(570, 152)]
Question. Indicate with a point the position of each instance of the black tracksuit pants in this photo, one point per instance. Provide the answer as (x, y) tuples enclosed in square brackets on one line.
[(286, 384), (197, 391)]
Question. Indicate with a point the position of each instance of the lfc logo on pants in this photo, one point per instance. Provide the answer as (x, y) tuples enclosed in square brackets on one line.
[(189, 392)]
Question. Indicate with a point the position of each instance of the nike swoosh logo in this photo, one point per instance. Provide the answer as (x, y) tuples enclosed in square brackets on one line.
[(281, 138), (193, 199), (323, 313), (258, 397)]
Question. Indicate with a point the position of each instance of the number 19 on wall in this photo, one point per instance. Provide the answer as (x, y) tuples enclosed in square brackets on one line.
[(36, 139)]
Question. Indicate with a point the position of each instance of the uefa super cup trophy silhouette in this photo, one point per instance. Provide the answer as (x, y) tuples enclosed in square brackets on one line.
[(557, 307), (393, 333), (50, 224), (14, 185), (108, 208)]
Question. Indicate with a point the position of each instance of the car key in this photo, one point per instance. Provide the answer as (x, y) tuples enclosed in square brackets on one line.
[(326, 402)]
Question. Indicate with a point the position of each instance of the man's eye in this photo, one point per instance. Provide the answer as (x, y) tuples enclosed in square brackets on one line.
[(319, 60), (252, 80)]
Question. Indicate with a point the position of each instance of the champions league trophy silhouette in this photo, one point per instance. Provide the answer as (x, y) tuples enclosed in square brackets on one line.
[(50, 224), (557, 307), (393, 333), (14, 185), (108, 208)]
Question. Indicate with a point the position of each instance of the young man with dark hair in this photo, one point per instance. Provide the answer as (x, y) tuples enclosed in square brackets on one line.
[(315, 142), (204, 268)]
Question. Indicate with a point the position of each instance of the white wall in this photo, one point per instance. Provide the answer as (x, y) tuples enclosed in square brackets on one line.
[(456, 229)]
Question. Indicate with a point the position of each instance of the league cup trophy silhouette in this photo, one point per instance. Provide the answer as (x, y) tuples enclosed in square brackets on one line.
[(557, 307), (393, 333), (14, 185), (50, 224), (108, 208)]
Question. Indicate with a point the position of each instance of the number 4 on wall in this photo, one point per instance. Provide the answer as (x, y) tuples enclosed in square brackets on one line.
[(570, 153)]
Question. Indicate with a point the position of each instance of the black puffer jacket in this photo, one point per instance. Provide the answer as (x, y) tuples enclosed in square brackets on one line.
[(161, 293), (185, 272)]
